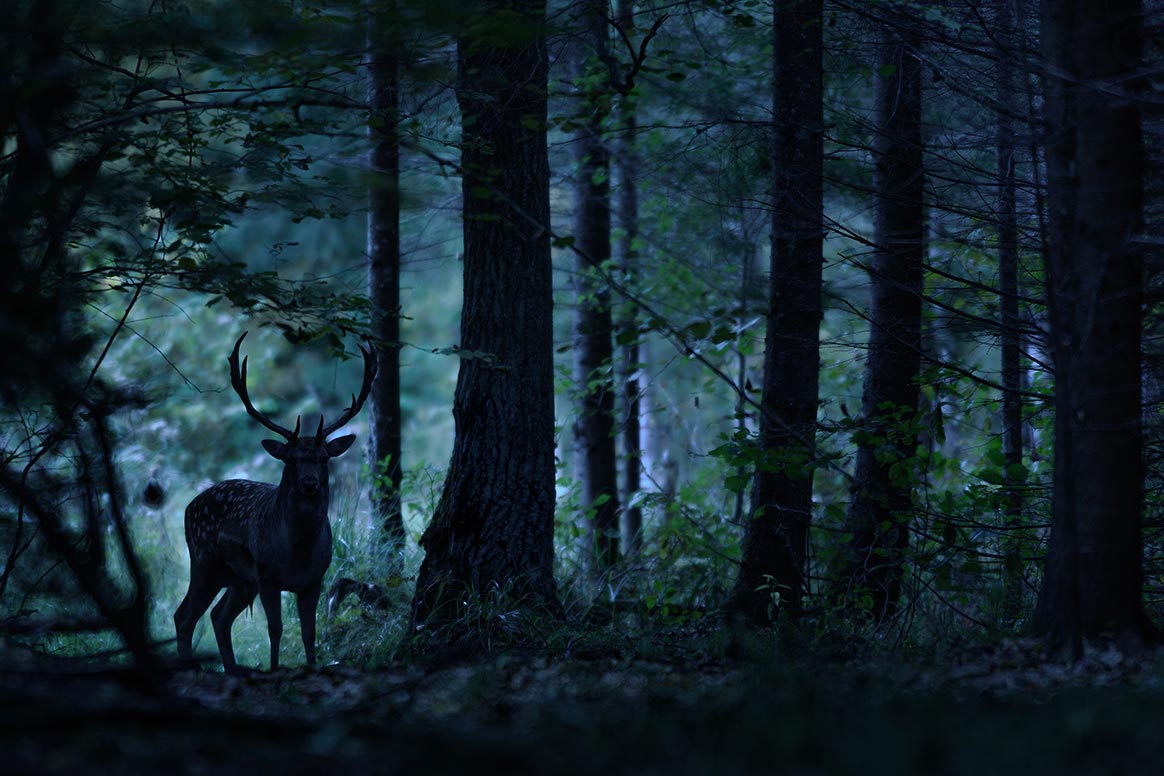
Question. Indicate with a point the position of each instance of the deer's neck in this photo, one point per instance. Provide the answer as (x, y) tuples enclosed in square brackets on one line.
[(299, 510), (292, 542)]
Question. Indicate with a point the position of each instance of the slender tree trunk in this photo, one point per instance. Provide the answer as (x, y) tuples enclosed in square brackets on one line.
[(594, 431), (492, 532), (1094, 266), (384, 265), (626, 163), (1008, 282), (776, 538), (745, 289), (881, 500)]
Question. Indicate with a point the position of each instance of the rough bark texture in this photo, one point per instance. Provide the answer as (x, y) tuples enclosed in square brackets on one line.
[(626, 163), (594, 430), (1094, 266), (384, 268), (775, 541), (492, 532), (881, 499)]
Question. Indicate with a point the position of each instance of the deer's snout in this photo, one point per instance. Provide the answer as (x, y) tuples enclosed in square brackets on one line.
[(309, 484)]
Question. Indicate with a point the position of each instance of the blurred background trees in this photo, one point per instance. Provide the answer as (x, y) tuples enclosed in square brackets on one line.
[(174, 174)]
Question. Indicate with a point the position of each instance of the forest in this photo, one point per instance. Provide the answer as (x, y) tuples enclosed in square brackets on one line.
[(712, 385)]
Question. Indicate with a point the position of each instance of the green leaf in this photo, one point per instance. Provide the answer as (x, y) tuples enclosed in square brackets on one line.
[(736, 483), (626, 337), (699, 329), (1017, 472)]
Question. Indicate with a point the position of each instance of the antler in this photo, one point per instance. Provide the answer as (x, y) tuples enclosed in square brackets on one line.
[(238, 380), (357, 403)]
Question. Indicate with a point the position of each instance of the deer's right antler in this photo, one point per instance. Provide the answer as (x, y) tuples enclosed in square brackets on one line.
[(238, 380), (357, 401)]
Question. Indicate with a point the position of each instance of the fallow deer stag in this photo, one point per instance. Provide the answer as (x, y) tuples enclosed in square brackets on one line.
[(256, 538)]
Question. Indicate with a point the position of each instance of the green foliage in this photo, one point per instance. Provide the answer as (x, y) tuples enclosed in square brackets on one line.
[(230, 192)]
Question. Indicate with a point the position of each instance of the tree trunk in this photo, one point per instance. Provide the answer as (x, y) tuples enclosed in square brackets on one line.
[(1008, 286), (594, 431), (1094, 266), (881, 498), (741, 406), (626, 163), (492, 533), (772, 567), (384, 268)]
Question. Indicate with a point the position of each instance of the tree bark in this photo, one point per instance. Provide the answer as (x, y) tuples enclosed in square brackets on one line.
[(626, 163), (1008, 302), (774, 553), (881, 499), (492, 532), (594, 430), (1094, 266), (384, 267)]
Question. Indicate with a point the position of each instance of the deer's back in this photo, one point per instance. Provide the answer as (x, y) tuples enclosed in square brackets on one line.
[(225, 508)]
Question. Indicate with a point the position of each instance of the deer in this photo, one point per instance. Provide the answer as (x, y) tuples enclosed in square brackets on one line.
[(256, 538)]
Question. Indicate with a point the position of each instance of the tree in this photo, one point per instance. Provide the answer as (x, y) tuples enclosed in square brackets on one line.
[(129, 148), (594, 430), (776, 539), (1008, 298), (384, 263), (44, 351), (626, 164), (1094, 266), (881, 498), (492, 531)]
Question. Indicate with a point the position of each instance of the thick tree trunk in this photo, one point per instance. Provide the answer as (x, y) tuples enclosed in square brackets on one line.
[(1008, 285), (594, 431), (384, 269), (626, 163), (492, 532), (881, 499), (772, 567), (1094, 267)]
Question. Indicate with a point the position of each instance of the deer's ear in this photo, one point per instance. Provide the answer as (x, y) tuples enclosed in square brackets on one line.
[(340, 445), (278, 450)]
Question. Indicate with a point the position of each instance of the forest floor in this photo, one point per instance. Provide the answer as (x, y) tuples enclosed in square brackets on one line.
[(673, 708)]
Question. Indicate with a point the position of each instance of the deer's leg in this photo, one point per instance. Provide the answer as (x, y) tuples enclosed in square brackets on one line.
[(225, 612), (273, 606), (307, 601), (198, 597)]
